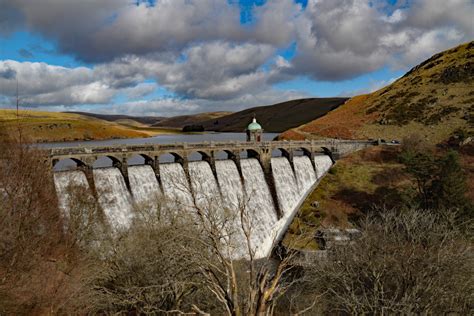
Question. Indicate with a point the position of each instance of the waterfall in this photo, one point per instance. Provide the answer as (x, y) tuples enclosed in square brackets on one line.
[(232, 201), (305, 173), (285, 184), (144, 186), (114, 197), (262, 213), (204, 185), (228, 195), (176, 186), (323, 163), (65, 181), (230, 183)]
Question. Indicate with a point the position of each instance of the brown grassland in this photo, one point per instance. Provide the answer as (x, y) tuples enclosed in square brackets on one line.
[(37, 126)]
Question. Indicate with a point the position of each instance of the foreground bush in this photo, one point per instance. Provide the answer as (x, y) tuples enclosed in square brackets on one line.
[(406, 262)]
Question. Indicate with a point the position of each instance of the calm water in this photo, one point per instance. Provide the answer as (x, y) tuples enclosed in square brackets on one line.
[(161, 139)]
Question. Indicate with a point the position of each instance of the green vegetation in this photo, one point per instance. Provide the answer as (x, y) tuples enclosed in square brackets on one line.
[(440, 180)]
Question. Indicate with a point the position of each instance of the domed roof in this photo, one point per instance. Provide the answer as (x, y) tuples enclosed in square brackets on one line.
[(254, 126)]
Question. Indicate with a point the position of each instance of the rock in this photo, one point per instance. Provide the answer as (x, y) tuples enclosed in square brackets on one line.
[(315, 204)]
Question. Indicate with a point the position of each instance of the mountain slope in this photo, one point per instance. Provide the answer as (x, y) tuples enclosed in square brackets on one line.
[(434, 99), (148, 120), (275, 118), (183, 120)]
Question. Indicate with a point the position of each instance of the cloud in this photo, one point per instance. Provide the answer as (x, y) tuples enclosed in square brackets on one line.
[(200, 52), (231, 72), (343, 39), (140, 90), (43, 84), (434, 14), (7, 73), (215, 70)]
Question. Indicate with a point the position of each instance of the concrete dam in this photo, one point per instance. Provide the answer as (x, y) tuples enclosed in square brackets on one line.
[(270, 189)]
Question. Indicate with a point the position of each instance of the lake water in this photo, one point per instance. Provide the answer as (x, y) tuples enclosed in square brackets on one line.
[(161, 139)]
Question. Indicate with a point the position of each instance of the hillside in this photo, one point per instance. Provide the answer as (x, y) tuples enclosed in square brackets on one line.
[(38, 126), (434, 99), (147, 120), (183, 120), (276, 118)]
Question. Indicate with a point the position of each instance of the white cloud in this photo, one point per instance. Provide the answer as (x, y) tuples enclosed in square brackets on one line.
[(199, 51), (342, 39)]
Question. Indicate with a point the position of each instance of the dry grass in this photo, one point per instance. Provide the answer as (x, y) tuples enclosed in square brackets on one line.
[(39, 126)]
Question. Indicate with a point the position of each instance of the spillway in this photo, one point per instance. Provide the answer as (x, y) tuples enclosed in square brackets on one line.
[(323, 163), (176, 187), (114, 197), (64, 182), (233, 201), (305, 173), (144, 187), (285, 184), (230, 183), (204, 186), (262, 213), (228, 193)]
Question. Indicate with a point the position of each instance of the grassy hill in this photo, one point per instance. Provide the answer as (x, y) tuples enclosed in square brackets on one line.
[(434, 99), (36, 126), (275, 118), (183, 120)]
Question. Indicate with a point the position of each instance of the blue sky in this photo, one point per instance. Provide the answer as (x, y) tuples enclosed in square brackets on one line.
[(186, 56)]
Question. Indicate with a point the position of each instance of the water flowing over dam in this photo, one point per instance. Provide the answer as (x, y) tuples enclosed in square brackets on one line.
[(224, 188)]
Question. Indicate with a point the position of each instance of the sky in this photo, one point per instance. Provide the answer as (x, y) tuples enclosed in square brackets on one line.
[(175, 57)]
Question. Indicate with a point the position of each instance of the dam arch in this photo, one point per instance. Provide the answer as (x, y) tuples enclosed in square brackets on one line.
[(198, 156), (106, 161), (170, 157), (223, 154), (67, 164), (140, 159)]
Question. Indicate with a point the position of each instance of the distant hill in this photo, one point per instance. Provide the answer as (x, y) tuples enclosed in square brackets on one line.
[(148, 120), (275, 118), (183, 120), (434, 100), (36, 126)]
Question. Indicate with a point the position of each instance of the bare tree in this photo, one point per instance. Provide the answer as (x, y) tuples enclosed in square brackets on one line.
[(406, 262), (250, 285), (179, 260), (32, 255)]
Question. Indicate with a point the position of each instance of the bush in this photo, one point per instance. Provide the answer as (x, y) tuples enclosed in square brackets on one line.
[(406, 262)]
